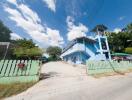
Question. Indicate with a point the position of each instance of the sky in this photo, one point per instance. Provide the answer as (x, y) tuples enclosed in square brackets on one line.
[(56, 22)]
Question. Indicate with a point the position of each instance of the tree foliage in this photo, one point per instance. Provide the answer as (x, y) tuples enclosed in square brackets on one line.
[(24, 43), (26, 49), (128, 50), (119, 41), (129, 28), (4, 33), (22, 52), (54, 52)]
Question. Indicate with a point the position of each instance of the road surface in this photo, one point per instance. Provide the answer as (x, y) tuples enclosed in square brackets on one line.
[(61, 81)]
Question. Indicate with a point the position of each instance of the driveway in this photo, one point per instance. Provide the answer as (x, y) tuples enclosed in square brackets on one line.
[(61, 81)]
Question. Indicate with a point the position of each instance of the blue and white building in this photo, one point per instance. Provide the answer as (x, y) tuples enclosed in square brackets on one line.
[(82, 49)]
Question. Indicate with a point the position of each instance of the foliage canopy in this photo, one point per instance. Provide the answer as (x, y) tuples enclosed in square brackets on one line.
[(119, 41), (4, 33), (54, 52), (26, 49), (128, 50)]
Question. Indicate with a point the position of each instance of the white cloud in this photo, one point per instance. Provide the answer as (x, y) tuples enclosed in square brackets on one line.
[(54, 37), (117, 30), (51, 4), (121, 18), (12, 2), (33, 29), (75, 31), (28, 13), (29, 20), (15, 36)]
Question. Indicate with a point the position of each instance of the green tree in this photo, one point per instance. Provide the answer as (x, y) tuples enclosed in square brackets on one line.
[(22, 52), (4, 33), (54, 52), (128, 50), (24, 43), (35, 51), (129, 28), (119, 41), (26, 49)]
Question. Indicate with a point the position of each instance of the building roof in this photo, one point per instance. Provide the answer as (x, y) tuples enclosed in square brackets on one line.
[(87, 39)]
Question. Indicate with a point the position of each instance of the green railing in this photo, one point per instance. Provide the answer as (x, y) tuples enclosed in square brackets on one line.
[(11, 73), (99, 67)]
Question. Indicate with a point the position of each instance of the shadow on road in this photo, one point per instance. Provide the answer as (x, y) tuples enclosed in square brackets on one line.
[(47, 75)]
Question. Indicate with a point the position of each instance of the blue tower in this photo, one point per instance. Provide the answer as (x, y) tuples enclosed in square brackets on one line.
[(102, 41)]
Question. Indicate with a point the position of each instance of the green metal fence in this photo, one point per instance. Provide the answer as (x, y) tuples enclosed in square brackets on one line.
[(99, 67), (11, 73)]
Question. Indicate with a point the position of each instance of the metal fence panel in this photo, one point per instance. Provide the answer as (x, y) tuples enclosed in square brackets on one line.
[(10, 72)]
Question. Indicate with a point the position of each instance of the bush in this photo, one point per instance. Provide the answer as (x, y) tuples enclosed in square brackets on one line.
[(128, 50), (26, 49), (22, 52), (54, 53)]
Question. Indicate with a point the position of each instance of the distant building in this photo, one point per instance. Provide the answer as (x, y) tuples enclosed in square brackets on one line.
[(82, 49)]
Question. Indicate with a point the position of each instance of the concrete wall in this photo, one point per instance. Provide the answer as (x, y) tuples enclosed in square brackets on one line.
[(99, 67)]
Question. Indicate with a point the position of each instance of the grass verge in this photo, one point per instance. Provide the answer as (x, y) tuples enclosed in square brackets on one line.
[(13, 89)]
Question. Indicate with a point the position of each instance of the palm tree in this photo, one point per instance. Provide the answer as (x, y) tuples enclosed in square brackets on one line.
[(129, 28)]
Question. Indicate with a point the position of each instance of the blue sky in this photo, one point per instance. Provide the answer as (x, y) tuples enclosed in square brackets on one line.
[(55, 22)]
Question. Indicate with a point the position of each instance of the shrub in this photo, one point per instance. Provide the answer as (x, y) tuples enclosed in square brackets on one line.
[(54, 53), (128, 50)]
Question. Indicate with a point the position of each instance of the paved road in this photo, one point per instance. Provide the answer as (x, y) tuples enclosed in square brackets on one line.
[(65, 82)]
